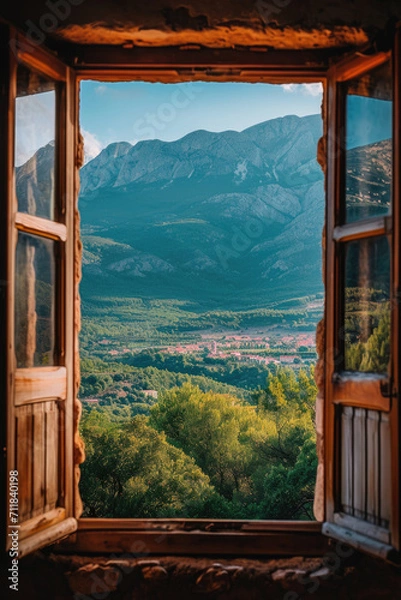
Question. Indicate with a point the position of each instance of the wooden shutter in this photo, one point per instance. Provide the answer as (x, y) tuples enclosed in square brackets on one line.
[(363, 292), (37, 222)]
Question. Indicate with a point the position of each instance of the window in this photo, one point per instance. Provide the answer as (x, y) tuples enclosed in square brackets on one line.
[(40, 272), (169, 230), (361, 375), (362, 279)]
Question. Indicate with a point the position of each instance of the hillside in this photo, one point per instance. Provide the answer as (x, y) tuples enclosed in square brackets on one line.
[(224, 219), (227, 220)]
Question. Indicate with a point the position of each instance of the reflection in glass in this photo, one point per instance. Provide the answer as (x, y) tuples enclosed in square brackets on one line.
[(368, 156), (367, 306), (35, 132), (35, 301)]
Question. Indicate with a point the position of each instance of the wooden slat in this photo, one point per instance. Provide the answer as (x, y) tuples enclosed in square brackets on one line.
[(115, 59), (360, 390), (46, 536), (347, 462), (361, 542), (199, 543), (332, 470), (207, 525), (24, 444), (40, 522), (62, 468), (38, 460), (40, 384), (361, 229), (7, 417), (40, 226), (37, 58), (362, 527), (395, 418), (30, 341), (52, 455), (385, 471), (373, 492), (353, 66), (359, 460), (265, 74)]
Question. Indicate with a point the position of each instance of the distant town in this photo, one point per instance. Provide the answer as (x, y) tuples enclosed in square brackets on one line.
[(265, 346)]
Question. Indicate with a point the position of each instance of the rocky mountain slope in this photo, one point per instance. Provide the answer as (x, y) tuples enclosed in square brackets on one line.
[(225, 220)]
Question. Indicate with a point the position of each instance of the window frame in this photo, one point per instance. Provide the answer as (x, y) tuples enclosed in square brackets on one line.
[(366, 537), (26, 387), (195, 536), (173, 535)]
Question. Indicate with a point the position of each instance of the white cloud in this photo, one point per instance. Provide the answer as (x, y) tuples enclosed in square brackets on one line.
[(306, 89), (92, 145), (100, 90), (290, 87), (313, 89)]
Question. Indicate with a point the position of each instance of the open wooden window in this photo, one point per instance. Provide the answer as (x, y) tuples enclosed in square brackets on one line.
[(362, 325), (362, 336), (40, 275)]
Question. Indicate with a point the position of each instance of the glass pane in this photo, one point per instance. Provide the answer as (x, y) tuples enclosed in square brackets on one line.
[(367, 305), (35, 301), (368, 157), (35, 132)]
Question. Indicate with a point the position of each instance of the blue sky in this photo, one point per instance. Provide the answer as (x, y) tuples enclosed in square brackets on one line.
[(136, 111)]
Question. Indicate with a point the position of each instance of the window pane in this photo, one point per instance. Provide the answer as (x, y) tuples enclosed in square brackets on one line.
[(35, 301), (367, 306), (35, 132), (368, 157)]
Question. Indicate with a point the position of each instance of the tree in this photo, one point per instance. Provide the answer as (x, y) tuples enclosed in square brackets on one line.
[(373, 355), (215, 430), (283, 487), (132, 471)]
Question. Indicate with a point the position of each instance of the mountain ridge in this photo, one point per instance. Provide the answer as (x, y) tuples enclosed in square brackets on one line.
[(227, 219)]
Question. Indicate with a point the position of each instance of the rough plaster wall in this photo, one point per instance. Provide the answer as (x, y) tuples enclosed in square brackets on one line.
[(280, 24), (79, 446), (319, 502)]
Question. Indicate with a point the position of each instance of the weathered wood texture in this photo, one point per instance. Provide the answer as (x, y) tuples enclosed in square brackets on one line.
[(37, 458), (39, 384), (365, 465)]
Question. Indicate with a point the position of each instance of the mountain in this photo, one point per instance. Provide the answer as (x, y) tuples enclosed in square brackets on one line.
[(368, 180), (221, 220), (35, 183)]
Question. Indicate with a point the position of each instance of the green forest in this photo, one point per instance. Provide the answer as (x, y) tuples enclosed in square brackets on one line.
[(196, 453)]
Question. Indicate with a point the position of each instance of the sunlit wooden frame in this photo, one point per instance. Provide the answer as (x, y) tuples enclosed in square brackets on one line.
[(346, 388), (171, 536)]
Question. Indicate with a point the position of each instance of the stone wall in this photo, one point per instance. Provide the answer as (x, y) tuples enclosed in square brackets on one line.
[(56, 577)]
